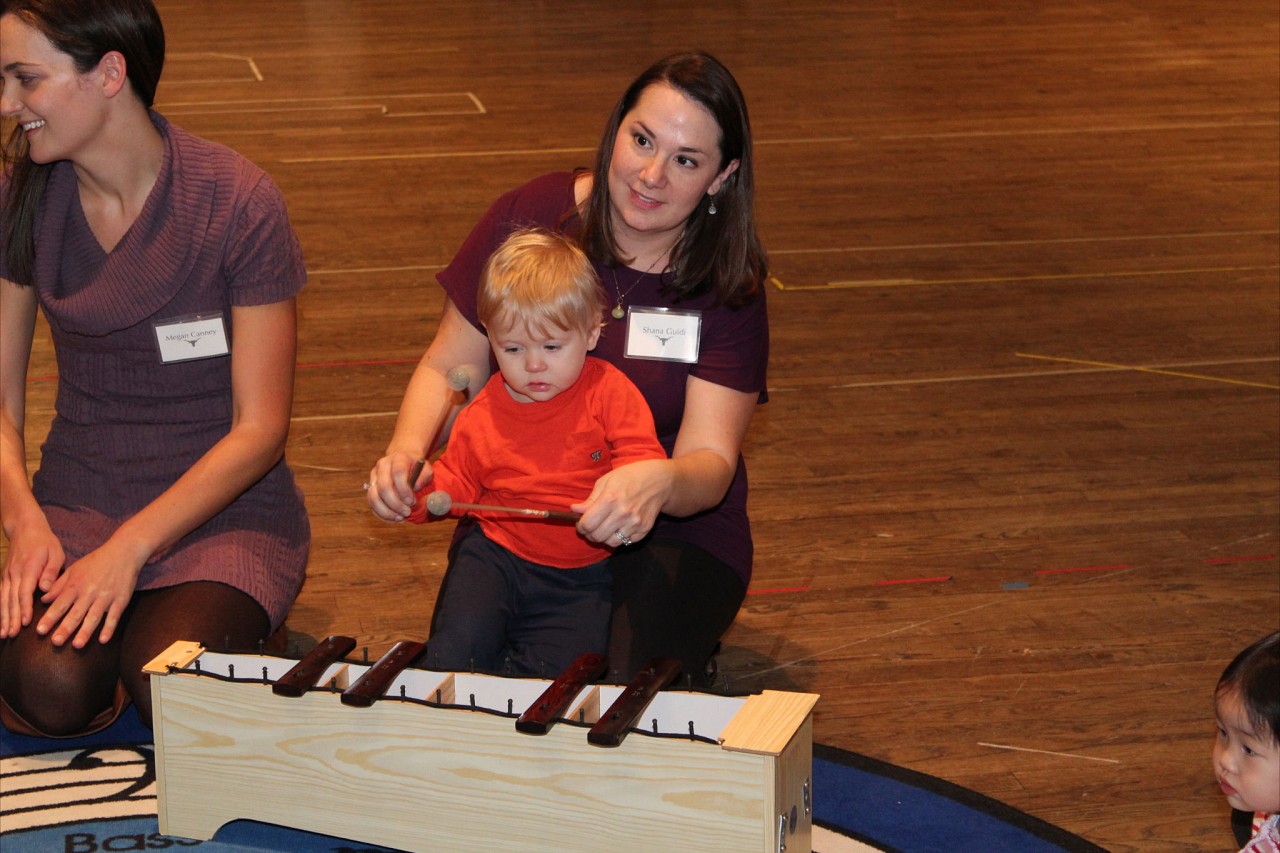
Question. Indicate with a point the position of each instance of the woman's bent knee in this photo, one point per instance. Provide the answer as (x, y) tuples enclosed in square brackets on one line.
[(56, 690)]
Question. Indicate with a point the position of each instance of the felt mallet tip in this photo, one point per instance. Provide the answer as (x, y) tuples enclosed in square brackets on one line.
[(459, 378), (439, 503)]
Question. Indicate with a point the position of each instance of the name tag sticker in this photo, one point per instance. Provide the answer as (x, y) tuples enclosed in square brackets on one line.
[(661, 334), (190, 338)]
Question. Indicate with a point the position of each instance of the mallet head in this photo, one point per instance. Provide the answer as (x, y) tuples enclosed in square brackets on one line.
[(439, 503)]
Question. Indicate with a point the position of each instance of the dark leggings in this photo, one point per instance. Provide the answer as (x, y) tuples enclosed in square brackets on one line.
[(59, 690), (670, 599), (496, 612)]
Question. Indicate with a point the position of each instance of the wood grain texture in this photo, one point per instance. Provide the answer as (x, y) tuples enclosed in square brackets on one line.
[(422, 778), (1025, 319)]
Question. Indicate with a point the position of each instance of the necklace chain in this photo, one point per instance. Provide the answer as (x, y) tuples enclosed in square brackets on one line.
[(618, 311)]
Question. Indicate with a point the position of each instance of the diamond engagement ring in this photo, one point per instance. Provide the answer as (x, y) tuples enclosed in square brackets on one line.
[(624, 539)]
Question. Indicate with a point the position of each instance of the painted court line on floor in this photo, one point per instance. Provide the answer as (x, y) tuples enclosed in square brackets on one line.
[(1045, 241), (1048, 752), (1141, 369), (914, 282)]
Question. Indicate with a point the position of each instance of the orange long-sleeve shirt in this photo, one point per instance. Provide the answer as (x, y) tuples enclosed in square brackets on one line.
[(543, 455)]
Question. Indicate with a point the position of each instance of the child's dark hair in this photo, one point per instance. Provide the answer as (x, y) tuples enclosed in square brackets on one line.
[(1255, 675)]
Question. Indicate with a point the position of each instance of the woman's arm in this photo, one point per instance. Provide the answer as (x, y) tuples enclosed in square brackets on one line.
[(93, 592), (35, 554), (708, 445), (696, 477), (426, 411)]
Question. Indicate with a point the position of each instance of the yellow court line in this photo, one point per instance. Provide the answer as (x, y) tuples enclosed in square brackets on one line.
[(325, 100), (915, 282), (1147, 370), (354, 270), (350, 416), (437, 155), (1048, 752), (760, 143), (1061, 131), (1042, 241), (994, 377), (204, 54)]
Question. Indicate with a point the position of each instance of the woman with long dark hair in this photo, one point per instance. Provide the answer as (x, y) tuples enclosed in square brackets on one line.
[(166, 268), (667, 217)]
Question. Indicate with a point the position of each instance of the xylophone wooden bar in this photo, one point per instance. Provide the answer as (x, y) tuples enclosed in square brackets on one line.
[(614, 724), (371, 686), (554, 701), (306, 673)]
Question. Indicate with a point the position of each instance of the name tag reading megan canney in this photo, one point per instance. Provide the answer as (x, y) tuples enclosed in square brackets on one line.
[(187, 338), (662, 334)]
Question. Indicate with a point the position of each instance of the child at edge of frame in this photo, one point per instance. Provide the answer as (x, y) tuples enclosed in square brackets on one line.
[(1246, 753)]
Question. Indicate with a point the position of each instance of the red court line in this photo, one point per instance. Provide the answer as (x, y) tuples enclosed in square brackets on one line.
[(1250, 558), (1084, 569), (913, 580), (778, 590)]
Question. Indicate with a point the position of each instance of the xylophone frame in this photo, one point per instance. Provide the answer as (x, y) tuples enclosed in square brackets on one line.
[(427, 775)]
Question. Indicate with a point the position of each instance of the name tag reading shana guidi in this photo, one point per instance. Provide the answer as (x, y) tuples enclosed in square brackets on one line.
[(189, 338), (661, 334)]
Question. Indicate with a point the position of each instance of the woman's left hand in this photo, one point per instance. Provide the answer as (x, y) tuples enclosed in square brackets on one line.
[(92, 592), (625, 503)]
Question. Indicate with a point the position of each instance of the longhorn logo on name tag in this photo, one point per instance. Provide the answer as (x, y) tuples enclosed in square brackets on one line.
[(661, 334), (190, 338)]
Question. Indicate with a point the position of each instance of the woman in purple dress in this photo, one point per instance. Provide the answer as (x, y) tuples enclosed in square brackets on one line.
[(167, 270), (666, 215)]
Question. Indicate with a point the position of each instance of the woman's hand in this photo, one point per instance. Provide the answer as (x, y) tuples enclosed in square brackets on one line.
[(93, 592), (34, 558), (35, 554), (458, 353), (625, 503), (392, 484)]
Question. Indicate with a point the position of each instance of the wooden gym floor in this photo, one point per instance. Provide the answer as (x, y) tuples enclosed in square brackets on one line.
[(1015, 492)]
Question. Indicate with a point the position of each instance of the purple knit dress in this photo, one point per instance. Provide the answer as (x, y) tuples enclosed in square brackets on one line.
[(213, 233)]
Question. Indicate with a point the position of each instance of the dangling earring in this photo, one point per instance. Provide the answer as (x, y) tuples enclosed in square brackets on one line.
[(712, 208)]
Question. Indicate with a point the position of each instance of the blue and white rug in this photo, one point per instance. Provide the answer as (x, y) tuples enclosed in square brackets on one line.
[(98, 794)]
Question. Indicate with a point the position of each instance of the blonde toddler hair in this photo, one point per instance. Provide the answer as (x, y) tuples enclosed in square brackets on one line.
[(542, 279)]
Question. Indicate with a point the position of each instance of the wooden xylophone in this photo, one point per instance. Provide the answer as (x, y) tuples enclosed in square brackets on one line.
[(419, 760)]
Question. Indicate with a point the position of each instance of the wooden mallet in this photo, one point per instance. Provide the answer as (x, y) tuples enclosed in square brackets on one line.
[(439, 503)]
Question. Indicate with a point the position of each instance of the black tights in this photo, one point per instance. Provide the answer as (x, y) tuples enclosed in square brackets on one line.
[(59, 690), (670, 599)]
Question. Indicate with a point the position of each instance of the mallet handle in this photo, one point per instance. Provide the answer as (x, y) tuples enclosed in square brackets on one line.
[(557, 514)]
